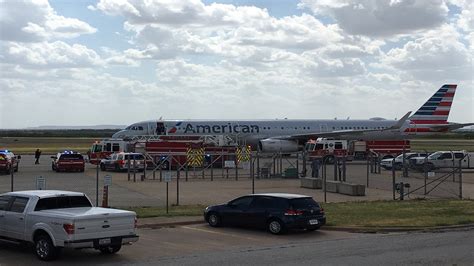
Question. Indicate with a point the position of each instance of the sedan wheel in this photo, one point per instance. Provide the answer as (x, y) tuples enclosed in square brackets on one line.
[(275, 227), (214, 220)]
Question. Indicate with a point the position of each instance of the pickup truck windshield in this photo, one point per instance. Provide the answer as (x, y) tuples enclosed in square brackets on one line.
[(62, 203)]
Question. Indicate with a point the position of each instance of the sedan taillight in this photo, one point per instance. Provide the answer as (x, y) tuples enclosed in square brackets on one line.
[(293, 212)]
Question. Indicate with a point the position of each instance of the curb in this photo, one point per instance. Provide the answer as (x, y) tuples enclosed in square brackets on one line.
[(334, 228), (170, 224), (397, 229)]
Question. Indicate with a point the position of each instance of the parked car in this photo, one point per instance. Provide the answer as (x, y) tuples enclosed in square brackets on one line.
[(8, 160), (277, 212), (387, 163), (68, 161), (119, 161), (53, 220), (443, 159)]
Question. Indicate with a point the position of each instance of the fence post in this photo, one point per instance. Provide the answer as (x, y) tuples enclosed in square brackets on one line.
[(177, 186), (368, 162), (252, 173), (324, 180), (212, 167), (297, 164), (258, 165), (460, 179), (303, 173), (128, 168), (393, 180), (344, 168)]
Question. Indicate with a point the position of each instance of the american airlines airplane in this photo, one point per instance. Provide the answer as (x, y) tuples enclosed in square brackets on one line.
[(288, 135)]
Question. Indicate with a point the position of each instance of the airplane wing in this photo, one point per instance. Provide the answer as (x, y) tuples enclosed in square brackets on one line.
[(339, 133)]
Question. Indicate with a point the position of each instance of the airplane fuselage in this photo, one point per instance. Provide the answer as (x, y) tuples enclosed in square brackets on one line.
[(254, 130)]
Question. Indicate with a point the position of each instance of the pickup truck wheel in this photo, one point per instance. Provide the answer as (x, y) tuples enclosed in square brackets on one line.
[(110, 249), (427, 167), (44, 248)]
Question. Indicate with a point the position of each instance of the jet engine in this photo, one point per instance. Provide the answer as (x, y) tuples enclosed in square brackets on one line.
[(277, 145)]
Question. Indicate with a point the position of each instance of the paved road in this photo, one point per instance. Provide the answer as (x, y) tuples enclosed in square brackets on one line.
[(203, 245)]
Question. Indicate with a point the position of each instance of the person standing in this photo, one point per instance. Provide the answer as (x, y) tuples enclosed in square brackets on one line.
[(315, 168), (37, 156)]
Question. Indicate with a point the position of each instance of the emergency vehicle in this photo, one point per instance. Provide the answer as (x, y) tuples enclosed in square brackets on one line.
[(329, 149), (68, 161), (8, 160), (167, 153)]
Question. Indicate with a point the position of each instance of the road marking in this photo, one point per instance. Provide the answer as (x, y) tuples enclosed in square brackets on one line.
[(220, 233)]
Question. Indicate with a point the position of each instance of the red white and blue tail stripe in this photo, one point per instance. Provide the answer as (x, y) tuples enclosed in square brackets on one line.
[(435, 111)]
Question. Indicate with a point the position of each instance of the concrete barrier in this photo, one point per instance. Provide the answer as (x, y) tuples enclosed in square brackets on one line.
[(332, 186), (311, 182), (351, 189)]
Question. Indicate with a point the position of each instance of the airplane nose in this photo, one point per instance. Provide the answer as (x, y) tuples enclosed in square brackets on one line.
[(118, 134)]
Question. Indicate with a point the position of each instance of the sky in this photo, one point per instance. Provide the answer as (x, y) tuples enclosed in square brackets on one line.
[(84, 62)]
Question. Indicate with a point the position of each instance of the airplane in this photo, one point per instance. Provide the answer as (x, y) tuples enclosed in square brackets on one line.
[(287, 135)]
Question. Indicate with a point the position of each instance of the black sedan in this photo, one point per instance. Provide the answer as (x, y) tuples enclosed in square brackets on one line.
[(277, 212)]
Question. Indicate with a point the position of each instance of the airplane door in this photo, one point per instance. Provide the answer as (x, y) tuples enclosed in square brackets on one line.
[(160, 129), (323, 128)]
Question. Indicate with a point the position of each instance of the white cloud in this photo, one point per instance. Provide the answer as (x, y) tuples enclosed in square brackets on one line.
[(226, 30), (36, 20), (46, 55), (437, 55), (381, 17)]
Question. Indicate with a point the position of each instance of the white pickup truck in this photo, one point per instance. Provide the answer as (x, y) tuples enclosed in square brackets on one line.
[(53, 220), (443, 159)]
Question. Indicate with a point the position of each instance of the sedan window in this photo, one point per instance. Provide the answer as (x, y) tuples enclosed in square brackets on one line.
[(302, 203), (241, 202)]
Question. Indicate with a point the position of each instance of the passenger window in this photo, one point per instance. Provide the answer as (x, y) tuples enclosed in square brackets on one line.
[(108, 147), (4, 202), (446, 156), (458, 155), (116, 147), (242, 202), (19, 204), (338, 145), (264, 203)]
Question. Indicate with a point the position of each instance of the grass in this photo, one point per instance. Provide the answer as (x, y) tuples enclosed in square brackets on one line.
[(26, 145), (413, 213)]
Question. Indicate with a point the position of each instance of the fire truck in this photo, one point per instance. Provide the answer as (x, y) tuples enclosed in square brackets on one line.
[(169, 153), (330, 149)]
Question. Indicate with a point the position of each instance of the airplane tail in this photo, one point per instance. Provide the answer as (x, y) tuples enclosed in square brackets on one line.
[(435, 111)]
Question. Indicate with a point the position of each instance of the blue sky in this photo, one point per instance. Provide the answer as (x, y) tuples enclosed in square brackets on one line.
[(118, 62)]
